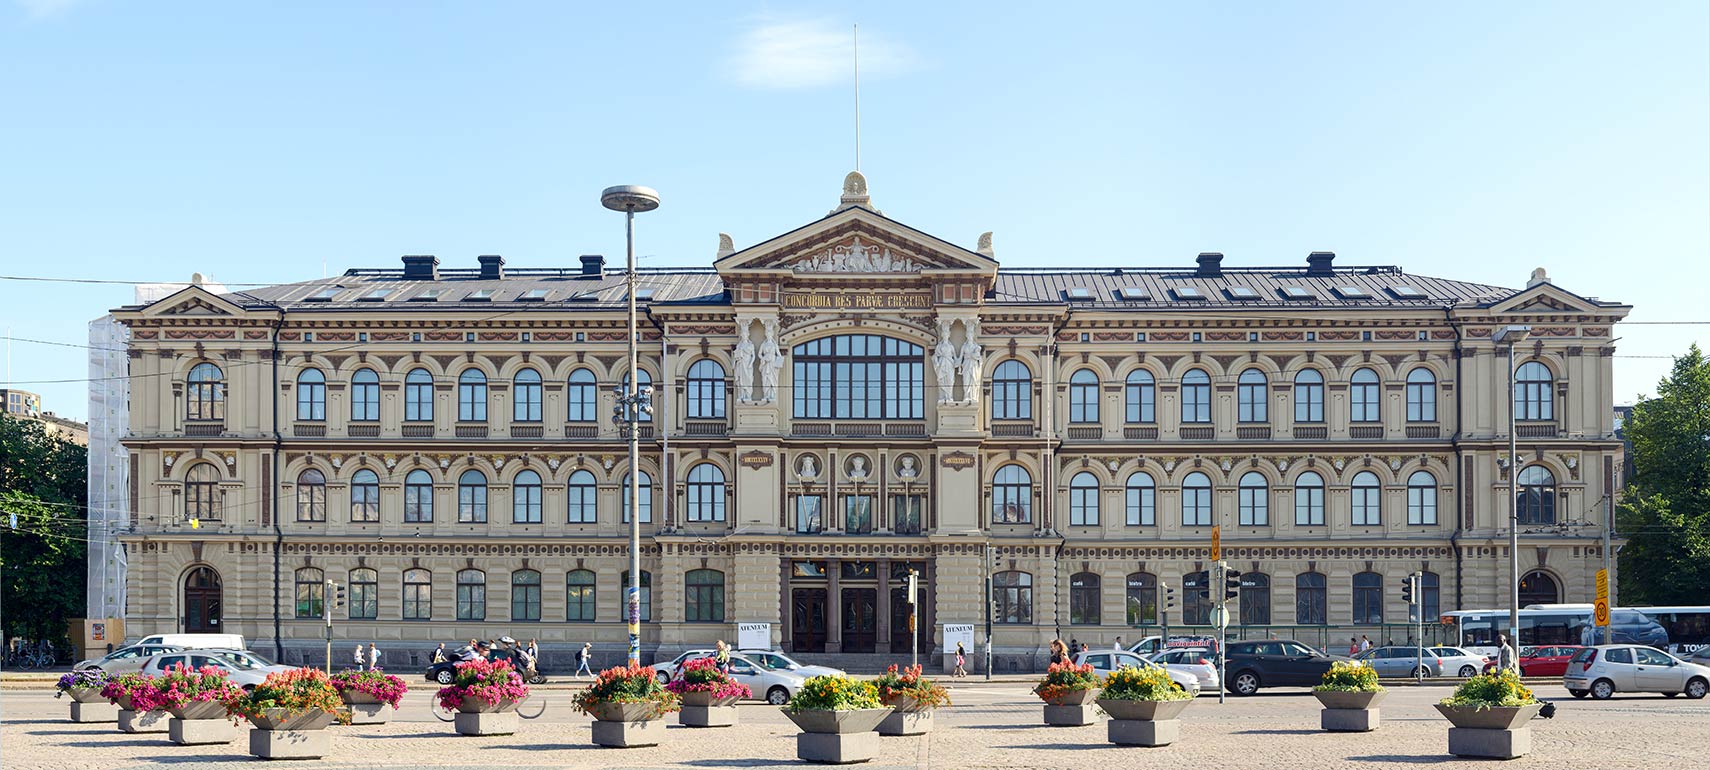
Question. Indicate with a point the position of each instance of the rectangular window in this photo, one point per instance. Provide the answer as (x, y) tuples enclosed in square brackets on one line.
[(579, 598), (1309, 506), (418, 503), (418, 601), (1255, 509), (1363, 402), (1142, 506), (808, 515), (906, 513), (472, 504), (858, 514), (1421, 402), (311, 599), (364, 601), (1365, 504), (1083, 506), (525, 504), (471, 601), (1421, 505), (1196, 507)]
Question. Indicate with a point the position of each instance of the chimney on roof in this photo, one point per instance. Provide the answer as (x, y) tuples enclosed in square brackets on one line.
[(492, 267), (1210, 264), (593, 264), (423, 267), (1318, 263)]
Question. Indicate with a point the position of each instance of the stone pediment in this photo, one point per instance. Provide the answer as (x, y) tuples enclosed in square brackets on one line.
[(856, 241), (1547, 299), (192, 301)]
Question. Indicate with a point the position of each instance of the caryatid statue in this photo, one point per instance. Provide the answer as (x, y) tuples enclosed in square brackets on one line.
[(973, 361), (742, 360), (944, 364), (771, 360)]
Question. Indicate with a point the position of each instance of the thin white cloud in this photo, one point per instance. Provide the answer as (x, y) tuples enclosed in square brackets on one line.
[(41, 9), (812, 53)]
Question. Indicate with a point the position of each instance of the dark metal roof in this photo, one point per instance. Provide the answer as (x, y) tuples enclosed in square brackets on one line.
[(466, 290)]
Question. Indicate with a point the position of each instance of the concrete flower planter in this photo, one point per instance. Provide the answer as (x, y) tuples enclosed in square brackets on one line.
[(1349, 712), (1072, 709), (94, 711), (478, 717), (707, 699), (1150, 723), (908, 717), (282, 734), (703, 709), (208, 709), (366, 709), (1499, 732), (628, 725), (838, 737), (478, 706), (86, 695), (201, 724), (131, 721)]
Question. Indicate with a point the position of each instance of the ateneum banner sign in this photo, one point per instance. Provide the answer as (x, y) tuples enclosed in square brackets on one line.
[(958, 632), (754, 636)]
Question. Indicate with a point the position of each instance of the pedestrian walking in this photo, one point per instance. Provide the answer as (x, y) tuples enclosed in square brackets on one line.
[(1353, 647), (723, 656), (1365, 642), (438, 654), (961, 661), (1504, 653), (1118, 644), (1059, 653), (358, 658), (1074, 647), (582, 656), (373, 657)]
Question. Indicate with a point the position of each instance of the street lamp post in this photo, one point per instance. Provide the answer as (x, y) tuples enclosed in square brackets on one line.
[(629, 199), (1512, 336)]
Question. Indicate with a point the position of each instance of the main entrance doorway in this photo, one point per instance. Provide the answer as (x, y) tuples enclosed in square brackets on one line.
[(202, 592), (807, 620), (860, 619)]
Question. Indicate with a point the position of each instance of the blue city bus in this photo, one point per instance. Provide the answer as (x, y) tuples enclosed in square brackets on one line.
[(1477, 630)]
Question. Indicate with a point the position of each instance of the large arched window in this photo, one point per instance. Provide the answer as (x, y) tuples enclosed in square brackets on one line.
[(1012, 496), (202, 493), (1534, 392), (706, 493), (205, 396), (859, 377), (1255, 599), (1364, 399), (1083, 396), (525, 498), (644, 380), (1196, 598), (1142, 599), (472, 497), (1309, 396), (418, 497), (525, 396), (1141, 500), (645, 484), (1196, 396), (1140, 397), (1083, 500), (703, 596), (706, 390), (1366, 497), (1309, 500), (1012, 391), (365, 496), (1084, 599), (1196, 500), (1537, 587), (1368, 599), (1012, 597), (418, 594), (580, 397), (418, 396), (581, 493), (646, 595), (1421, 498), (472, 396), (311, 496), (1250, 393), (579, 596), (1537, 496), (471, 594), (1254, 500), (364, 594), (311, 593), (311, 395), (364, 396), (525, 595), (1421, 395), (1310, 599)]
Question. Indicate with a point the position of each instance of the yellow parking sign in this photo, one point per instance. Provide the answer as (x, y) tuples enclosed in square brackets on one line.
[(1603, 586)]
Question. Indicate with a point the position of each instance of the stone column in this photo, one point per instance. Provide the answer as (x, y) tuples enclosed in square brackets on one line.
[(833, 606), (884, 608)]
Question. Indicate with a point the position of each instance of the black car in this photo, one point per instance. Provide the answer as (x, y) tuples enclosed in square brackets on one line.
[(1274, 663)]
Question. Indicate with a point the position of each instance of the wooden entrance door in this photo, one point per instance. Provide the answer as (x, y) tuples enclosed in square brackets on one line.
[(807, 620), (899, 623), (860, 619), (202, 591)]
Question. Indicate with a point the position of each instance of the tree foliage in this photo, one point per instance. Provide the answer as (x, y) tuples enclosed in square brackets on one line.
[(1666, 514), (43, 484)]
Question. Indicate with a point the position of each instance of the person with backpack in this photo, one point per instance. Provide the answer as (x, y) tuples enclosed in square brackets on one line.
[(438, 654), (582, 657)]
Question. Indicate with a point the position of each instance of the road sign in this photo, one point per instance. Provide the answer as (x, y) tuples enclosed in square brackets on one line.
[(1217, 544), (1603, 586), (1219, 616), (1600, 612)]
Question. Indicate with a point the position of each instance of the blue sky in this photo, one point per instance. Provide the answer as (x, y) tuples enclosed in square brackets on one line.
[(259, 142)]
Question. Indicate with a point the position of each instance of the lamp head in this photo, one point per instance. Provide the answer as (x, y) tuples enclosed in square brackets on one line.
[(1511, 335), (630, 197)]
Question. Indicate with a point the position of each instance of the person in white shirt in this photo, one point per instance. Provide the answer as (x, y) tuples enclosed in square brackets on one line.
[(358, 657), (373, 657), (1118, 644)]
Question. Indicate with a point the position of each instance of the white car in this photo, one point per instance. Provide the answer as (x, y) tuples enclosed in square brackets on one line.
[(1106, 661), (125, 660), (1607, 669), (1456, 661), (1196, 661), (245, 669), (778, 661), (664, 671)]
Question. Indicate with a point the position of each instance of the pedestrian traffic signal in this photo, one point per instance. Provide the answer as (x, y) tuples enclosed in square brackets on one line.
[(338, 597), (1407, 589), (1231, 584), (1169, 596)]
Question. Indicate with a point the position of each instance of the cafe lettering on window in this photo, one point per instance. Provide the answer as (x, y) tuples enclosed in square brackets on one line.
[(829, 301)]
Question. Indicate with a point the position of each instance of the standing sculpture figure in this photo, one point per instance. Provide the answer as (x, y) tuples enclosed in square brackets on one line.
[(771, 360), (742, 360), (944, 363), (973, 362)]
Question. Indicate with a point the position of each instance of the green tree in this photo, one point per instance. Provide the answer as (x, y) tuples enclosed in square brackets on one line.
[(1666, 512), (43, 491)]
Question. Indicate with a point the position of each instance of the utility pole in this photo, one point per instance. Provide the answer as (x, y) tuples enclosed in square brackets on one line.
[(326, 614), (1512, 336), (988, 565), (913, 606), (1410, 592), (1608, 534)]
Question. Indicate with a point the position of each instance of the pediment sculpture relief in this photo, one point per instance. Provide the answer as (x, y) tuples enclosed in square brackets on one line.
[(857, 257)]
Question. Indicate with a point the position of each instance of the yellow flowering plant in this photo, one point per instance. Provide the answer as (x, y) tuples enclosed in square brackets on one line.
[(1354, 676), (1498, 688), (835, 693), (1141, 683)]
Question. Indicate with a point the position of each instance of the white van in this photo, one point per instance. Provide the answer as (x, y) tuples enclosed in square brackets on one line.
[(198, 641)]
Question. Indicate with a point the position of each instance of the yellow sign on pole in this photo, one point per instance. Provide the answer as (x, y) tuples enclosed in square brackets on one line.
[(1600, 612), (1603, 586), (1217, 544)]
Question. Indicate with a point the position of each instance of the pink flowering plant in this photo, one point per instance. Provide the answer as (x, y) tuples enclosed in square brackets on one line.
[(134, 692), (705, 675), (488, 681), (297, 691), (182, 685), (381, 686)]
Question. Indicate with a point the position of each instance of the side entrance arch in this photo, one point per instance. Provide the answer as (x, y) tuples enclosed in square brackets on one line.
[(202, 601)]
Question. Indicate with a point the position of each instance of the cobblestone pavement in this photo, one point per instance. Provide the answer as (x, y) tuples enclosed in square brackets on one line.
[(991, 726)]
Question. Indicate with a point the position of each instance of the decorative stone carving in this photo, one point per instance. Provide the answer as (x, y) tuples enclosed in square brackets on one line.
[(742, 366), (906, 467), (973, 362), (726, 246), (944, 363), (807, 469), (957, 460), (771, 360), (391, 461), (552, 462), (857, 470), (856, 257), (755, 459), (985, 245)]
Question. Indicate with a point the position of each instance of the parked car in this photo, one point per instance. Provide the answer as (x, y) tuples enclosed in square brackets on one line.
[(125, 660), (1607, 669), (1196, 661), (664, 671), (198, 641), (1701, 657), (1543, 660), (778, 661), (1106, 661), (1457, 662), (245, 668), (774, 687), (1401, 661), (1250, 665)]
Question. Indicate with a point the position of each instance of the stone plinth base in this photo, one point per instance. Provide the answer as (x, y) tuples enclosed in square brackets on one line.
[(1144, 732), (836, 748), (198, 732), (1069, 716), (370, 713), (1348, 720), (1490, 744), (143, 721), (290, 744), (489, 723), (628, 735), (94, 712), (907, 723), (707, 716)]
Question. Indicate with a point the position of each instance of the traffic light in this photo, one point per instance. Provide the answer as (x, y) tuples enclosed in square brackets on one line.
[(338, 596), (1169, 596), (1407, 589), (1231, 584)]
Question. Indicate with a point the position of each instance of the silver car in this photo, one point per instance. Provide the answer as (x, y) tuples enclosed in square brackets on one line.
[(1197, 661), (776, 687), (664, 671), (1456, 661), (125, 660), (1401, 661), (1106, 661), (778, 661), (245, 669)]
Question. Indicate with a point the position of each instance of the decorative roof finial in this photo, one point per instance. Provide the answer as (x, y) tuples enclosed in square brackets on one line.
[(726, 246), (985, 245), (855, 193), (1538, 276)]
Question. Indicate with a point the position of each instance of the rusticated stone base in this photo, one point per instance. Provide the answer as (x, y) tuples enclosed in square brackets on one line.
[(1490, 744), (94, 712), (200, 732), (290, 744), (837, 748), (1349, 720), (629, 735), (1144, 732), (1070, 716), (370, 713), (487, 723), (707, 716), (907, 723), (143, 721)]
